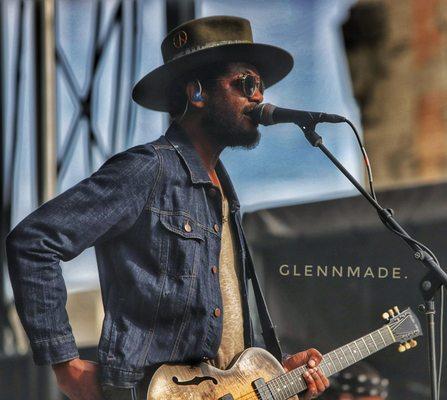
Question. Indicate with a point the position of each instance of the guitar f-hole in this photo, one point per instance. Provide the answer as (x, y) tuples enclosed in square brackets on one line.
[(197, 380)]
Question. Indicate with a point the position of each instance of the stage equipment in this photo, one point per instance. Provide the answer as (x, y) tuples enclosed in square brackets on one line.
[(267, 114)]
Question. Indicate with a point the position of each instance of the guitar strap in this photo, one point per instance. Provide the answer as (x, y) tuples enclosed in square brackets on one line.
[(268, 329)]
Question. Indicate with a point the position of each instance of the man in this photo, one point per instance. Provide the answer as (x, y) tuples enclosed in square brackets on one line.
[(165, 223)]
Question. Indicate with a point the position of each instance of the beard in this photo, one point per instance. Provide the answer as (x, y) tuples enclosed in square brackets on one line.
[(229, 129)]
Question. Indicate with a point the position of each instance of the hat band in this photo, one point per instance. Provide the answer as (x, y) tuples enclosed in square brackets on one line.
[(207, 46)]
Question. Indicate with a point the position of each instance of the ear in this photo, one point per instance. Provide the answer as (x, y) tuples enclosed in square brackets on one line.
[(191, 89)]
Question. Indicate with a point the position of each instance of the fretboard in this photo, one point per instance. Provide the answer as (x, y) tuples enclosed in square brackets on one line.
[(291, 383)]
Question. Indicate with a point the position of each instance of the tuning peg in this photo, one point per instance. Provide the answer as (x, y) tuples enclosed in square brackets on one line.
[(386, 316), (396, 309), (401, 348), (413, 343), (391, 312)]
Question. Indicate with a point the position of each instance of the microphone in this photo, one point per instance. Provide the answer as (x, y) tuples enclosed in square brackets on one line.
[(268, 114)]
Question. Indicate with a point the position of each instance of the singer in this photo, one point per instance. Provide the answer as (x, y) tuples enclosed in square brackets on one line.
[(165, 223)]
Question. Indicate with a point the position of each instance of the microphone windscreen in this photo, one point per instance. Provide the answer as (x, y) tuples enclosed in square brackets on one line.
[(262, 114)]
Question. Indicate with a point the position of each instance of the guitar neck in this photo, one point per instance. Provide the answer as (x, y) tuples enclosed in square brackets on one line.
[(291, 383)]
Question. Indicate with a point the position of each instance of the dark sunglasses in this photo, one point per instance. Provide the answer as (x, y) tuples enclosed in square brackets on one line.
[(247, 83)]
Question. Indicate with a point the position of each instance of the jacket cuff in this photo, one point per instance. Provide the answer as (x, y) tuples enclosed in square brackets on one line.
[(54, 350), (285, 356)]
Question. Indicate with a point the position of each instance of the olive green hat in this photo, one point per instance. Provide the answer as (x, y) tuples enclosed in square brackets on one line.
[(208, 40)]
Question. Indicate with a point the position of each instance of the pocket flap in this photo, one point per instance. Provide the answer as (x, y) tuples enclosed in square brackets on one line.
[(182, 225)]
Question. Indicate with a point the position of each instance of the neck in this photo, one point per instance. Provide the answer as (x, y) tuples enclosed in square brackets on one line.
[(208, 150)]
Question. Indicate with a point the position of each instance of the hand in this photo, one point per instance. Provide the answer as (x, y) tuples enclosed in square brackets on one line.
[(78, 379), (316, 381)]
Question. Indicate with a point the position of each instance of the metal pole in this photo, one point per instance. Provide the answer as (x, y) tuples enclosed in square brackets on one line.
[(4, 222), (179, 11), (45, 85), (45, 100)]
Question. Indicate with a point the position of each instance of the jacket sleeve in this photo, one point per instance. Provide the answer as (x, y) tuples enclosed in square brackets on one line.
[(97, 208)]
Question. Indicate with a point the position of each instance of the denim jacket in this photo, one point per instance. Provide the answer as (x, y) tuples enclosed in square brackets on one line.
[(155, 220)]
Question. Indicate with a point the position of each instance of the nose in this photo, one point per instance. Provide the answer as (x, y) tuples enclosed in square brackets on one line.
[(257, 97)]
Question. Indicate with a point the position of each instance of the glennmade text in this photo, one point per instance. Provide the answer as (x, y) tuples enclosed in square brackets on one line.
[(339, 271)]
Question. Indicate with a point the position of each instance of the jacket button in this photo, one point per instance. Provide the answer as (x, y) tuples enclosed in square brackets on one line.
[(217, 312), (214, 269), (216, 228), (187, 227)]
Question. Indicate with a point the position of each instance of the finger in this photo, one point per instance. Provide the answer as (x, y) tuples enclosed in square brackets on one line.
[(323, 378), (298, 359), (311, 357), (318, 381), (314, 357), (311, 386)]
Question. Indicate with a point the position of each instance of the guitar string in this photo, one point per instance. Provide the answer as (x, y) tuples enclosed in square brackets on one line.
[(299, 370), (295, 371), (302, 369)]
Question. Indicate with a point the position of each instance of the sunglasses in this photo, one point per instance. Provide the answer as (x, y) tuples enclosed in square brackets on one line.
[(247, 83)]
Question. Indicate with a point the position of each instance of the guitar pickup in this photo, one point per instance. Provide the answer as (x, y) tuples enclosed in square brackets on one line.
[(262, 390)]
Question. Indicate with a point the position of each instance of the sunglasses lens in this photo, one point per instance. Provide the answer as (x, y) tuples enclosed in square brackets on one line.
[(249, 85)]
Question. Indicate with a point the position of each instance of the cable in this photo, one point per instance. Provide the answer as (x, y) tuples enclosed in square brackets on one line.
[(373, 194), (441, 340), (180, 119), (365, 159)]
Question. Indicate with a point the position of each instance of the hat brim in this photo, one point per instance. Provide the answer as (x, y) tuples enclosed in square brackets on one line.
[(272, 63)]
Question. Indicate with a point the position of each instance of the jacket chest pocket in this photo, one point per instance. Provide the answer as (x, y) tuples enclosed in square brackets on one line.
[(182, 241)]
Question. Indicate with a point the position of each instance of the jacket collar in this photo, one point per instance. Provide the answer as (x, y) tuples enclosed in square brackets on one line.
[(177, 137), (179, 140)]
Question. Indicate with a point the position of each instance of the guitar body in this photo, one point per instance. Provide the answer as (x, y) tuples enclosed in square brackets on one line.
[(203, 381)]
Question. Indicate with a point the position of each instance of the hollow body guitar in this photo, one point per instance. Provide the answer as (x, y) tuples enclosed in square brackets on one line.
[(256, 374)]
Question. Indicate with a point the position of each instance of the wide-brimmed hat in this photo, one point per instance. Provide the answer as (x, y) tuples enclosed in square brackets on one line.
[(203, 41)]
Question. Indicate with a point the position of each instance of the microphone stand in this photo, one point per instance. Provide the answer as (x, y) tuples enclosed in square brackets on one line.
[(429, 284)]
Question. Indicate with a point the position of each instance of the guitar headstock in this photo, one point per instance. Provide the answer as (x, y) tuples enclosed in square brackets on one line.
[(404, 325)]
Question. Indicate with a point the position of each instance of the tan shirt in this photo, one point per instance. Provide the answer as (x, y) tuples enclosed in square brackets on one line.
[(233, 332)]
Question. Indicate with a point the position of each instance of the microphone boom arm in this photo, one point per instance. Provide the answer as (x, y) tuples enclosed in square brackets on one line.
[(430, 283)]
